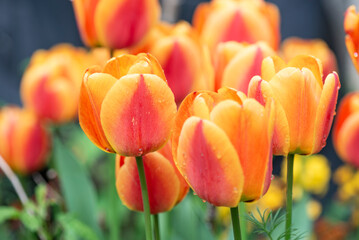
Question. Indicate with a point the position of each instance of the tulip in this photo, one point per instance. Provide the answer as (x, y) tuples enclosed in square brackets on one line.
[(305, 104), (236, 63), (237, 20), (166, 186), (25, 143), (115, 24), (127, 107), (351, 27), (51, 83), (222, 145), (346, 129)]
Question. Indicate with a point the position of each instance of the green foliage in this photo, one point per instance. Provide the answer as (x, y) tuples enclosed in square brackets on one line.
[(8, 213), (74, 229)]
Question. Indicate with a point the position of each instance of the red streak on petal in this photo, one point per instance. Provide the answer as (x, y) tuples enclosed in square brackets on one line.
[(268, 177), (237, 30), (254, 70), (178, 74), (128, 25)]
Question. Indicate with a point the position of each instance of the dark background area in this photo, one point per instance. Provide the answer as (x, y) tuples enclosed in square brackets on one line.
[(28, 25)]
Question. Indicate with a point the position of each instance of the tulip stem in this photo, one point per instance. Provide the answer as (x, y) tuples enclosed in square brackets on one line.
[(242, 220), (146, 203), (288, 222), (156, 227), (235, 223)]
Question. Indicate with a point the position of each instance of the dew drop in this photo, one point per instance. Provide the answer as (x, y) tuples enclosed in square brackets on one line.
[(140, 151), (355, 54), (203, 200)]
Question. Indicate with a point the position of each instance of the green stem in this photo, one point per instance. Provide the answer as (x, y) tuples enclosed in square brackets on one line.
[(242, 220), (288, 222), (156, 227), (146, 203), (235, 223)]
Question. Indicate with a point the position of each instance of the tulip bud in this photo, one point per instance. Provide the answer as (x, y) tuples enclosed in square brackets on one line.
[(127, 107), (115, 24), (351, 28), (24, 141)]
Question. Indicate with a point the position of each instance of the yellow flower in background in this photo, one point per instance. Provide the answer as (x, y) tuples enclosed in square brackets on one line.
[(348, 180), (314, 209), (343, 174)]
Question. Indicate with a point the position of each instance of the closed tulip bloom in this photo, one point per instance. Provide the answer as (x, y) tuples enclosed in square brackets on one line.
[(166, 186), (51, 83), (305, 102), (222, 145), (293, 46), (237, 20), (351, 28), (127, 107), (346, 129), (25, 143), (236, 63), (113, 23)]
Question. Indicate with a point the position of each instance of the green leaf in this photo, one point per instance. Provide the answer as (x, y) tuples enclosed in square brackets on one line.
[(40, 193), (75, 229), (30, 221), (8, 213), (76, 186)]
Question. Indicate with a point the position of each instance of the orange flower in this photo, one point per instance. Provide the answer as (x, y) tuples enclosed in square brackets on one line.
[(24, 141), (293, 46), (351, 27), (305, 104), (236, 63), (166, 186), (237, 20), (113, 23), (51, 83), (127, 107), (346, 129), (222, 146)]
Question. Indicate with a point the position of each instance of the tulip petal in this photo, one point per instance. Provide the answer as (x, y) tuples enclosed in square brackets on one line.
[(250, 129), (93, 90), (209, 163), (137, 114), (162, 183), (311, 63), (325, 112), (270, 66)]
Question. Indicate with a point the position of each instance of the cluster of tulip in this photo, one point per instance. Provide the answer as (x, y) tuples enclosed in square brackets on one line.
[(202, 107)]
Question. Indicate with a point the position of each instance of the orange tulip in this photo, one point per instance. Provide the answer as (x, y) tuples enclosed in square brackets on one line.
[(51, 83), (293, 46), (113, 23), (305, 103), (346, 129), (236, 63), (351, 27), (222, 145), (127, 107), (25, 143), (237, 20), (166, 186)]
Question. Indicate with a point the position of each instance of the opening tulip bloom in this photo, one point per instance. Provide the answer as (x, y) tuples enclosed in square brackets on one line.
[(127, 107), (166, 186), (305, 103), (115, 24), (222, 146), (346, 129), (236, 63), (25, 143), (351, 28), (237, 20)]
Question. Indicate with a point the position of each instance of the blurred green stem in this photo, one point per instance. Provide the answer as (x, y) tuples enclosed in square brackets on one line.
[(242, 220), (288, 222), (156, 226), (235, 223), (146, 203)]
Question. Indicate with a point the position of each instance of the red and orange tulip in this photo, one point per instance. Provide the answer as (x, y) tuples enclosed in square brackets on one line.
[(51, 83), (237, 20), (351, 27), (236, 63), (293, 46), (305, 103), (127, 107), (25, 143), (115, 24), (166, 186), (346, 129), (222, 145)]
